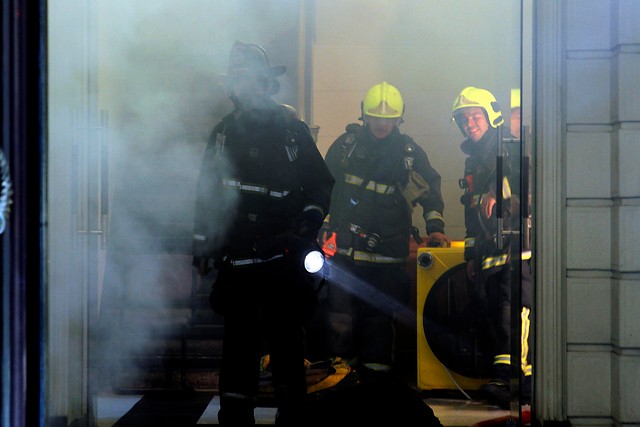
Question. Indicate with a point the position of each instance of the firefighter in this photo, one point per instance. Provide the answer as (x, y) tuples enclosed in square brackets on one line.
[(478, 115), (381, 175), (262, 194)]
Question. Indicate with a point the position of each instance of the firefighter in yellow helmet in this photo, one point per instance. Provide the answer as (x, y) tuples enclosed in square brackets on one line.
[(381, 176), (478, 115)]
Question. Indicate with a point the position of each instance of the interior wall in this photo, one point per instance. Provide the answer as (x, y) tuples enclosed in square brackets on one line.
[(429, 51)]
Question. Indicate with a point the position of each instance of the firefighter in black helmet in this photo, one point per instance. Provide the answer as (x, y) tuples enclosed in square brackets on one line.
[(478, 115), (262, 195), (381, 176)]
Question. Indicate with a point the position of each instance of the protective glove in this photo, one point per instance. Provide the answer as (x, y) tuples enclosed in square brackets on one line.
[(437, 239), (307, 224)]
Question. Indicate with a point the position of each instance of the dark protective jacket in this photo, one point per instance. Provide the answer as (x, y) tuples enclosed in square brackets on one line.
[(479, 182), (370, 216), (261, 170)]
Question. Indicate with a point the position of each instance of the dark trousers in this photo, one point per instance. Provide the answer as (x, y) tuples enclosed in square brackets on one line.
[(361, 304), (494, 299), (265, 307)]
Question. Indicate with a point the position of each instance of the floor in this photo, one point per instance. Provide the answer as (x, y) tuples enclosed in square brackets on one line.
[(200, 409)]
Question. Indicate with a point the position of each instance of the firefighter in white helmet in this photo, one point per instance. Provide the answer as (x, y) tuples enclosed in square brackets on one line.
[(381, 176), (478, 115)]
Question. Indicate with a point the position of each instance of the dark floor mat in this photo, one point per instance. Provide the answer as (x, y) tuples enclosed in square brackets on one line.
[(167, 409)]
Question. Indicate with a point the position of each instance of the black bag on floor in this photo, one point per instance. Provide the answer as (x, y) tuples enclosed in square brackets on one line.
[(365, 397)]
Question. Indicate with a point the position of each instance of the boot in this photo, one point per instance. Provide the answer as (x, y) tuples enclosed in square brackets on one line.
[(236, 412), (498, 393)]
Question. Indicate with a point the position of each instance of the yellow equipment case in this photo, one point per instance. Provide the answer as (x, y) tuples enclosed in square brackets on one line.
[(452, 334)]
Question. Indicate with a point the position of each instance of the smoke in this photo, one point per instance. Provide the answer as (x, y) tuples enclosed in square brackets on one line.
[(161, 74)]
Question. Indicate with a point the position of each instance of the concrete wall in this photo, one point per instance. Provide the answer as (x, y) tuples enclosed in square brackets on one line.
[(592, 309), (603, 210)]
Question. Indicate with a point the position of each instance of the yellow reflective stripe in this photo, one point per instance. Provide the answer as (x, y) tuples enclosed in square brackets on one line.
[(504, 359), (352, 179), (526, 255), (433, 215), (494, 261), (524, 340), (380, 188), (524, 345), (506, 188), (371, 185)]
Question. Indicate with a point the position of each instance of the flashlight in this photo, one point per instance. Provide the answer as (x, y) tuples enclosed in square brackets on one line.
[(313, 261)]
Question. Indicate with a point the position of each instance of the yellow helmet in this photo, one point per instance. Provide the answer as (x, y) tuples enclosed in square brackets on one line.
[(383, 100), (476, 97)]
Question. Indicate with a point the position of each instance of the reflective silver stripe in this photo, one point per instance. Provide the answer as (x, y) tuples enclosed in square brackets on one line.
[(469, 242), (249, 261), (310, 207), (369, 257), (237, 396), (379, 367), (199, 237), (292, 152), (278, 194), (256, 189), (433, 215), (377, 258), (250, 188)]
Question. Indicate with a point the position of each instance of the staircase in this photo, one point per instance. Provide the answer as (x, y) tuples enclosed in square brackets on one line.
[(155, 329)]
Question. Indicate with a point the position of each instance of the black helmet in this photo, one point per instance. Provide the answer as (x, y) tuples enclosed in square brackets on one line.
[(246, 56)]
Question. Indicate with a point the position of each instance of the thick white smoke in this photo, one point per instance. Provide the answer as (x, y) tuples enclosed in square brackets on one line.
[(161, 75)]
